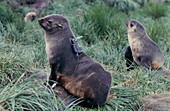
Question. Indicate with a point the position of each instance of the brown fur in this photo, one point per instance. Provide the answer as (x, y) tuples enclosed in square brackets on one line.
[(145, 52), (90, 81)]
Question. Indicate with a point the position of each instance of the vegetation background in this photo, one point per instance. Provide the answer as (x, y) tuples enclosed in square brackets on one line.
[(99, 26)]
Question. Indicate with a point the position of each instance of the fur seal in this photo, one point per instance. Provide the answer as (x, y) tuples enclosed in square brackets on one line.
[(89, 81), (29, 17), (142, 50)]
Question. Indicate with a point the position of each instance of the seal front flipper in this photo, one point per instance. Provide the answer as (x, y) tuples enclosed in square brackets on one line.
[(130, 63), (53, 74), (128, 56)]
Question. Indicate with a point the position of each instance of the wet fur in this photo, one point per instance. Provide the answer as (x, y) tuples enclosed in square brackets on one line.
[(90, 81)]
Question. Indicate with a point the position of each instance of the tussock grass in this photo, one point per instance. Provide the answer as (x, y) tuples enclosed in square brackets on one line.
[(99, 16), (65, 7), (104, 38), (13, 62), (156, 10), (101, 22), (158, 32), (9, 16), (10, 33), (21, 95)]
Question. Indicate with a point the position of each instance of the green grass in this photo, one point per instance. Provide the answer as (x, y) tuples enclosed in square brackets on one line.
[(156, 10), (11, 17), (27, 95), (104, 38)]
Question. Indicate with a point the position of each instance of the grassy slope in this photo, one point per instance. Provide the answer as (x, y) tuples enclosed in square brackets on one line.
[(22, 49)]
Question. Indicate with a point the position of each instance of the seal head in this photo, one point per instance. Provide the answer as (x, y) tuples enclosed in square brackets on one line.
[(53, 23)]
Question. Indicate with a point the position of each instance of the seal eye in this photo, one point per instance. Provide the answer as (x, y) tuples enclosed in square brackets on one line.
[(131, 25), (49, 21)]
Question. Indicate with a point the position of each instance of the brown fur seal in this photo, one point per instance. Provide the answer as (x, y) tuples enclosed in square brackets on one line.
[(89, 81), (142, 50)]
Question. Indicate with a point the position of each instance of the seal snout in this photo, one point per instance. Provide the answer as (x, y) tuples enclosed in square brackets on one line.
[(40, 20), (127, 22)]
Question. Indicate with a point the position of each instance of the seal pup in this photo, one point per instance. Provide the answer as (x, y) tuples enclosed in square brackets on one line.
[(29, 17), (142, 50), (77, 73)]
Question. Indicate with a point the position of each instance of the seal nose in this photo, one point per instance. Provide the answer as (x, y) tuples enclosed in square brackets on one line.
[(40, 20), (127, 22)]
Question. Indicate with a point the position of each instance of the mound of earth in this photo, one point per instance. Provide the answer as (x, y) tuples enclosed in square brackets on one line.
[(38, 5), (157, 102)]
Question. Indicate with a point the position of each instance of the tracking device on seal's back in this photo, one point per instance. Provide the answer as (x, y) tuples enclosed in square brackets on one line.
[(76, 48)]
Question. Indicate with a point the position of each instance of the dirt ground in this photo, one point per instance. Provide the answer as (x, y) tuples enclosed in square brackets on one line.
[(39, 5)]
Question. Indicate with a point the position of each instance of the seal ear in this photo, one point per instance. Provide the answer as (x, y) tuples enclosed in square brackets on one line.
[(59, 25)]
